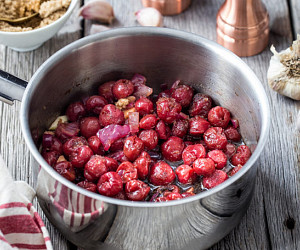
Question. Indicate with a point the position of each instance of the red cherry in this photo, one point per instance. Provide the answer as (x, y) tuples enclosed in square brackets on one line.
[(136, 190), (172, 148), (185, 174), (111, 115), (198, 126), (201, 105), (163, 131), (218, 157), (142, 164), (215, 179), (75, 111), (133, 146), (95, 104), (148, 122), (110, 184), (80, 156), (219, 117), (149, 138), (89, 126), (193, 152), (167, 109), (215, 138), (144, 106), (127, 171), (161, 174), (241, 156), (94, 168), (122, 88), (204, 166), (183, 94)]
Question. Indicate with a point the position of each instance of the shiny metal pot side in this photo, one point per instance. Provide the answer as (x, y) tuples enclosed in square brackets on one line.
[(92, 221)]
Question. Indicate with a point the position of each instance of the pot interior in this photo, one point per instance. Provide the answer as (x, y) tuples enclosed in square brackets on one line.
[(162, 59)]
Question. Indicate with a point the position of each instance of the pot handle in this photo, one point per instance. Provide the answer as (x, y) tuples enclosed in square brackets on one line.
[(11, 87)]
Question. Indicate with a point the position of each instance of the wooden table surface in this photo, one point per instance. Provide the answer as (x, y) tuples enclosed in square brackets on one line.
[(273, 219)]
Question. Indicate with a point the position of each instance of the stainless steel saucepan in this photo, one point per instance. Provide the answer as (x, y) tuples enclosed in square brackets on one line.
[(93, 221)]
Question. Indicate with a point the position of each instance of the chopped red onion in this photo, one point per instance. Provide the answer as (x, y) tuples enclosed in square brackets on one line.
[(182, 116), (111, 133), (235, 123), (154, 196), (142, 91), (229, 150), (65, 131), (175, 84), (118, 156), (138, 79), (47, 140), (121, 172), (133, 121)]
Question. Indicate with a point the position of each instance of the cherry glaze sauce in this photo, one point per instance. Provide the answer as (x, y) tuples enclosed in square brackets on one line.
[(126, 143)]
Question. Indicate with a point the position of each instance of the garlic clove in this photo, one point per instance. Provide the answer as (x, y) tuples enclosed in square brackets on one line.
[(97, 28), (60, 119), (123, 102), (149, 17), (284, 71), (61, 158), (98, 10)]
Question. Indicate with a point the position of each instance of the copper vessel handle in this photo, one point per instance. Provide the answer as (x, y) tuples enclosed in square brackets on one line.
[(168, 7)]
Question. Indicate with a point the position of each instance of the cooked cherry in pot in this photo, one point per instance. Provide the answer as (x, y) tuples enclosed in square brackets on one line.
[(124, 142)]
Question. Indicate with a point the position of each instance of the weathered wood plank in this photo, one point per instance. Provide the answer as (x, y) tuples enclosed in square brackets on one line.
[(268, 223)]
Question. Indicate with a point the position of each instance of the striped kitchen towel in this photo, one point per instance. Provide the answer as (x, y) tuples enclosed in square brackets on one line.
[(20, 225)]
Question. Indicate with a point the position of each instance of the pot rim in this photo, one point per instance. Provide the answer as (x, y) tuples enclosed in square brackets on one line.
[(146, 31)]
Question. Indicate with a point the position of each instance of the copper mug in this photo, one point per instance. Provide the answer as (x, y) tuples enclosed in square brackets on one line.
[(168, 7)]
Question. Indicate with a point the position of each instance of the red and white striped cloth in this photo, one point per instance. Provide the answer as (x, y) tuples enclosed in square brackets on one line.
[(21, 227), (75, 210)]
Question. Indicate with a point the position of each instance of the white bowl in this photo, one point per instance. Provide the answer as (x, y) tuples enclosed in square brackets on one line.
[(30, 40)]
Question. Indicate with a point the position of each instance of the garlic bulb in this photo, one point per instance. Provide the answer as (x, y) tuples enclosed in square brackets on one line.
[(98, 10), (284, 71), (149, 17)]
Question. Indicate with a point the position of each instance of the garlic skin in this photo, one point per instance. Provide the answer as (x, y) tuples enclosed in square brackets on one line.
[(149, 17), (284, 71), (97, 28), (98, 10)]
